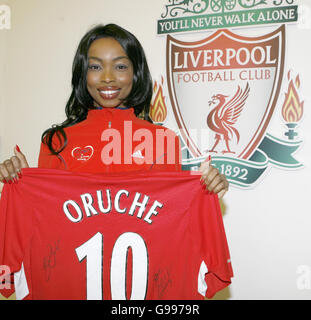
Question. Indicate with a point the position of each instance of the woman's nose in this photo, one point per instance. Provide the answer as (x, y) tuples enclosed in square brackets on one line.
[(107, 75)]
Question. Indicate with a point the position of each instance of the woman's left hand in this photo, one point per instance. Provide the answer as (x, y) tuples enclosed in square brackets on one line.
[(213, 179)]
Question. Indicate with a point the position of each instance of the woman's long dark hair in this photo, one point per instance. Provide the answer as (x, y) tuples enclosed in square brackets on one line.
[(80, 101)]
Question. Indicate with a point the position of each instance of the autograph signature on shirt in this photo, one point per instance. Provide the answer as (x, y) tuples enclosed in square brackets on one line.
[(49, 261), (162, 280)]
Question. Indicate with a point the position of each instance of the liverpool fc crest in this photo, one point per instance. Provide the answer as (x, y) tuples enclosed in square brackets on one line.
[(223, 91)]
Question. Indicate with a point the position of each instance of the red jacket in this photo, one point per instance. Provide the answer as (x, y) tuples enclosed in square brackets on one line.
[(115, 140)]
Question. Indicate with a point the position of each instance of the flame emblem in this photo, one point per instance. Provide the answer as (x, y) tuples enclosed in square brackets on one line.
[(158, 110), (292, 109)]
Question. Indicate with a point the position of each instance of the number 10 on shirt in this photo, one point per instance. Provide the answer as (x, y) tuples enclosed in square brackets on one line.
[(92, 250)]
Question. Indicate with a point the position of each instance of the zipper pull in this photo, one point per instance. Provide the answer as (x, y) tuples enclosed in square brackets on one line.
[(109, 124)]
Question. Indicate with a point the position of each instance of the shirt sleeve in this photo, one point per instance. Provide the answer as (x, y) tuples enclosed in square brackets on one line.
[(47, 160), (16, 225), (215, 270)]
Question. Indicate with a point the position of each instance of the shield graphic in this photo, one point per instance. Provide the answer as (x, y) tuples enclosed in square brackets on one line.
[(223, 90)]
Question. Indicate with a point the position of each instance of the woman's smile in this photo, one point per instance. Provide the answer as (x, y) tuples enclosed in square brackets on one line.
[(109, 92)]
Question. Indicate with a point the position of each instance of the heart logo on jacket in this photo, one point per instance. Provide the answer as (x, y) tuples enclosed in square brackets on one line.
[(82, 154)]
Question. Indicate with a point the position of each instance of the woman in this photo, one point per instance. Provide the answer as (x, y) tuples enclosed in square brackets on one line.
[(104, 132)]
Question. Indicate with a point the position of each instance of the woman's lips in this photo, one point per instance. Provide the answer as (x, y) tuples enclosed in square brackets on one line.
[(109, 92)]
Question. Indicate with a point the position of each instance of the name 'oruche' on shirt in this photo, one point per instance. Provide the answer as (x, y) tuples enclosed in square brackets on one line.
[(75, 211)]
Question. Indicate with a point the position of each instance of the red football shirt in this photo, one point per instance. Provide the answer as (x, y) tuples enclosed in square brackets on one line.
[(142, 235)]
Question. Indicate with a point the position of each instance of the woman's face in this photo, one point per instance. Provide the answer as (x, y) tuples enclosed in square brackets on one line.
[(110, 73)]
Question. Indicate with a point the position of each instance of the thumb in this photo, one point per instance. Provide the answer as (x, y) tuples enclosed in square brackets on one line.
[(21, 157), (205, 164)]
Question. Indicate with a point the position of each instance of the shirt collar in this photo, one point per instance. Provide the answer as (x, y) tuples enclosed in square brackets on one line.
[(111, 113)]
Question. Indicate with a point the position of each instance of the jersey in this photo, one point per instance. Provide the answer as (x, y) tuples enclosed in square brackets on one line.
[(114, 140), (142, 235)]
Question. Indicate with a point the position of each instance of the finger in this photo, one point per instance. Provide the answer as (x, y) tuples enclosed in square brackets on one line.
[(222, 185), (11, 169), (210, 176), (17, 167), (221, 193), (5, 176), (220, 181), (205, 169), (2, 178), (205, 164), (21, 157), (216, 184)]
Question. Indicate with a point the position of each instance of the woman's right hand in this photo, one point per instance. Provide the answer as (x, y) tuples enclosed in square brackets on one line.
[(10, 169)]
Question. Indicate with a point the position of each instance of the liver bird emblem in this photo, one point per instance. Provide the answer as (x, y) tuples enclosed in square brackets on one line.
[(222, 118)]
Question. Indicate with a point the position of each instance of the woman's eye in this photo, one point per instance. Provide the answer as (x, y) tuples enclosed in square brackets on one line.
[(121, 67), (94, 67)]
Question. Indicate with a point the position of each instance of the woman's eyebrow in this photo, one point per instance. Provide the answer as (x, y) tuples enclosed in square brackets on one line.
[(114, 59)]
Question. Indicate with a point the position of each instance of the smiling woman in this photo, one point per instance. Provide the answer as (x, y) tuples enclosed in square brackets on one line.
[(105, 51)]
